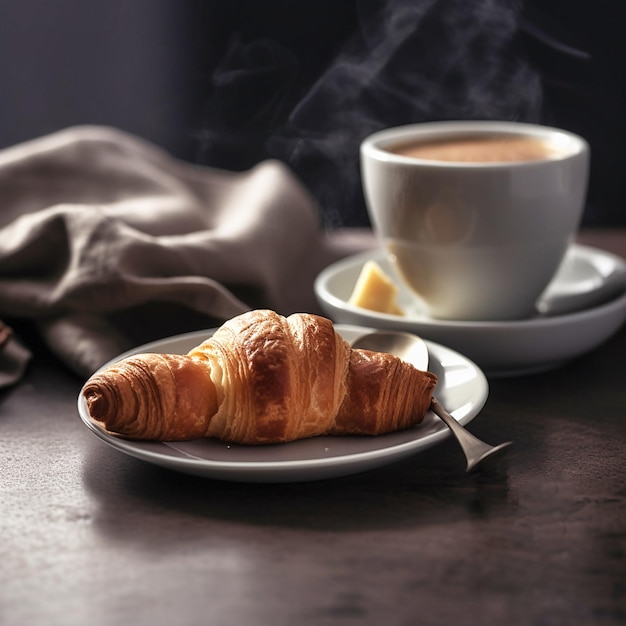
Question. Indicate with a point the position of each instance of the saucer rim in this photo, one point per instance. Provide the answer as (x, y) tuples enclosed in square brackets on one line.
[(378, 254)]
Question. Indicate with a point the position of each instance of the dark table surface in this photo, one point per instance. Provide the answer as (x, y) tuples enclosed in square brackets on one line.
[(91, 536)]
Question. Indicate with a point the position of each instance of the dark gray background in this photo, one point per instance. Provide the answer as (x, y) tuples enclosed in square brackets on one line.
[(230, 83)]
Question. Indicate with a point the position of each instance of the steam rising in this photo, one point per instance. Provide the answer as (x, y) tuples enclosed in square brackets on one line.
[(405, 61)]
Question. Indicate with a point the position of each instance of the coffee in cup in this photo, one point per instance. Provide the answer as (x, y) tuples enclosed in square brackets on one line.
[(487, 148), (475, 216)]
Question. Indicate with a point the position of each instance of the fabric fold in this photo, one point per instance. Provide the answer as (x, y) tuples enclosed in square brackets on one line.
[(97, 225), (14, 357)]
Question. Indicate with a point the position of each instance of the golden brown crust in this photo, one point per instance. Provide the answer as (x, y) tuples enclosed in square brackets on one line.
[(281, 377), (261, 378), (386, 394), (153, 396)]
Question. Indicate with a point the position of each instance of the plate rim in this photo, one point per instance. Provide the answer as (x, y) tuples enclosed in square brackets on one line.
[(275, 470)]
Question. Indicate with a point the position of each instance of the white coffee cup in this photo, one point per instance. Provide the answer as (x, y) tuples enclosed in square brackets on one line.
[(476, 240)]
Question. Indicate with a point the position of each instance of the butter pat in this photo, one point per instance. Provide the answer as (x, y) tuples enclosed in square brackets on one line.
[(374, 290)]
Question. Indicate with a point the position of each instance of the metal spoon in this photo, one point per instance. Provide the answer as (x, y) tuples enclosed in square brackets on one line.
[(412, 349)]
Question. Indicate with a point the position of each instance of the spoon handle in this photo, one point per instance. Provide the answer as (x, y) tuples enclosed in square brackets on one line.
[(475, 450)]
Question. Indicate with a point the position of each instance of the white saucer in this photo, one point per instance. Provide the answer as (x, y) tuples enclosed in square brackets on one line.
[(501, 348), (461, 387)]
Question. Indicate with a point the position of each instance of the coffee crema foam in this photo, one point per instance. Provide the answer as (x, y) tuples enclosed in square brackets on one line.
[(480, 149)]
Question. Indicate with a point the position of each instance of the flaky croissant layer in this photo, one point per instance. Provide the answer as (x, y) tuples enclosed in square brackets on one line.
[(261, 378)]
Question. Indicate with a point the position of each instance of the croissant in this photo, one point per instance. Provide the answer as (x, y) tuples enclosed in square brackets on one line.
[(261, 378)]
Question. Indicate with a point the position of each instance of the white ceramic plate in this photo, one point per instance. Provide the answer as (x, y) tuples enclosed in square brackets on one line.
[(587, 276), (462, 388)]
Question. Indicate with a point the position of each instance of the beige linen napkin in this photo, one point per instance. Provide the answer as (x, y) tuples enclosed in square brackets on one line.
[(106, 241)]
